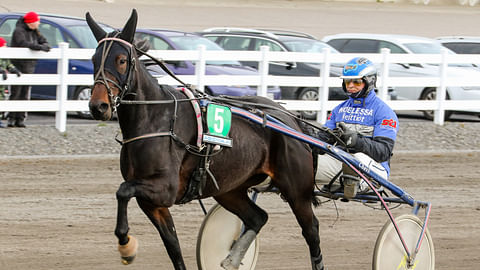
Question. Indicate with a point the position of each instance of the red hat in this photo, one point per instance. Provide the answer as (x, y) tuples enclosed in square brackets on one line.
[(2, 42), (31, 17)]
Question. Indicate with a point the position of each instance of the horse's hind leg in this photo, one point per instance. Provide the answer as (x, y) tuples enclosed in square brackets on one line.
[(163, 222), (301, 205), (302, 208), (127, 245), (252, 216)]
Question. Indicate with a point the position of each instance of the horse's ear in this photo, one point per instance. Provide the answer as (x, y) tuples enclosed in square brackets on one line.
[(142, 46), (97, 31), (128, 30)]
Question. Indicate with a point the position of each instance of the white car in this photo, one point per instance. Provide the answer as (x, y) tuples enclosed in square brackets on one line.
[(373, 43)]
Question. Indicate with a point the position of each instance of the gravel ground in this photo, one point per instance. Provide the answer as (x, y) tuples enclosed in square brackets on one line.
[(315, 17), (100, 139)]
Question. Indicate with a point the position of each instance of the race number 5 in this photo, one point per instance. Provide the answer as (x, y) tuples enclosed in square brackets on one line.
[(219, 119), (218, 125)]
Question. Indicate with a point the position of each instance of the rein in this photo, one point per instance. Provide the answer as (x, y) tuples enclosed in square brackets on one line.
[(118, 100)]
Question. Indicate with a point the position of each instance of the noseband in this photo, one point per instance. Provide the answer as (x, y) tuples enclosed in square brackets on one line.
[(100, 76)]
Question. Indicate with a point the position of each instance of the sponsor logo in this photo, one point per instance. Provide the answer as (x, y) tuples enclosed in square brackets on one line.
[(349, 68), (364, 167), (356, 110), (389, 122)]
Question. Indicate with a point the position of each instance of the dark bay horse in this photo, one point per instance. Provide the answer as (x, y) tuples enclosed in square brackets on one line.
[(159, 153)]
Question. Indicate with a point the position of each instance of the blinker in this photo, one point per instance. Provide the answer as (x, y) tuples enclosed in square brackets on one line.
[(109, 64)]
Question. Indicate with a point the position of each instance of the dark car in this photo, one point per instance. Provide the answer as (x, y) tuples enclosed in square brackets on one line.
[(280, 41), (57, 29), (177, 40), (462, 45)]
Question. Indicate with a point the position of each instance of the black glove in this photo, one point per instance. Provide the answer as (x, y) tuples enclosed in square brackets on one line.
[(36, 47), (349, 137), (44, 47), (40, 47), (4, 73), (16, 71)]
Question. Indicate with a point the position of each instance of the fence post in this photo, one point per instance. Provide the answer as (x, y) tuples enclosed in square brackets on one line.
[(323, 91), (62, 88), (263, 68), (439, 115), (200, 68), (383, 91)]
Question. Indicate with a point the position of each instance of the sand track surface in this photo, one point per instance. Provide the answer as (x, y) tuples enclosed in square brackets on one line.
[(59, 213)]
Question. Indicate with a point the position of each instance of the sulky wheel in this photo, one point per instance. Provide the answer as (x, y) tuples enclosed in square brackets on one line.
[(389, 252), (219, 230)]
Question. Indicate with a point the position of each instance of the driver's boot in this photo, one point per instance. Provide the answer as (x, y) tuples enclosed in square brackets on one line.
[(351, 182), (20, 123), (11, 122)]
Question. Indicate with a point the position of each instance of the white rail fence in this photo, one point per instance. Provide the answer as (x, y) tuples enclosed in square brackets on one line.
[(62, 79)]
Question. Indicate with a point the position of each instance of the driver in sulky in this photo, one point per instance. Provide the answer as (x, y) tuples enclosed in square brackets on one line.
[(367, 126)]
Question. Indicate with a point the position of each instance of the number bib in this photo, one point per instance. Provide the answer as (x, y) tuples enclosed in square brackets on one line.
[(219, 122)]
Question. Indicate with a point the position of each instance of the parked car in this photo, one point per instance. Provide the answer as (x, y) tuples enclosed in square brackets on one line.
[(58, 29), (462, 45), (280, 41), (373, 43), (177, 40)]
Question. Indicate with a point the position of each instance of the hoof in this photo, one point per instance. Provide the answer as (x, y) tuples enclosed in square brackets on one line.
[(128, 260), (227, 264), (128, 252)]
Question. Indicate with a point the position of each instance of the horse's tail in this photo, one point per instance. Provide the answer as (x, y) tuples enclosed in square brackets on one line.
[(321, 133), (315, 200)]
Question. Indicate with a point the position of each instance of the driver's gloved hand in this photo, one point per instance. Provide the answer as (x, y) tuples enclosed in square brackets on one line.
[(348, 136)]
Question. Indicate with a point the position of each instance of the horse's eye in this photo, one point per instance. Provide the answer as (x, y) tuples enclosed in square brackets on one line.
[(123, 61)]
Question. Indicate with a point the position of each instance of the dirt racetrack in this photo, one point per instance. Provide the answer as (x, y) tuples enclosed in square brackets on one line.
[(59, 213)]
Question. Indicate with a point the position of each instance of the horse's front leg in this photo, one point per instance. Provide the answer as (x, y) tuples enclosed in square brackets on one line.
[(162, 220), (127, 245)]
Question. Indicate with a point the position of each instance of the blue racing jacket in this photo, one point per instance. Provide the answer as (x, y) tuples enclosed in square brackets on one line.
[(374, 121)]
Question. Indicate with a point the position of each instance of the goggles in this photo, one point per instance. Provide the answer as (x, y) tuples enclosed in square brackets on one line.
[(356, 82)]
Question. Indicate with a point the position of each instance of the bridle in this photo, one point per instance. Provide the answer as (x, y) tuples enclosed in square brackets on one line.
[(125, 87), (122, 86)]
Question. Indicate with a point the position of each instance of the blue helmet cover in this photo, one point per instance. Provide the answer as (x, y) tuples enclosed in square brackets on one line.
[(360, 67)]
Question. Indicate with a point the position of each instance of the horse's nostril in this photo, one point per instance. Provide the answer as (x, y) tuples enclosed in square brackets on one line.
[(103, 107), (98, 107), (100, 110)]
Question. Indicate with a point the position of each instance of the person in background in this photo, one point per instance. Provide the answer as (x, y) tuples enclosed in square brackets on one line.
[(5, 68), (25, 35), (366, 124)]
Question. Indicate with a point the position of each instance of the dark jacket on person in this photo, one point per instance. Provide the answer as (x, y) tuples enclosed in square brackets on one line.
[(25, 37)]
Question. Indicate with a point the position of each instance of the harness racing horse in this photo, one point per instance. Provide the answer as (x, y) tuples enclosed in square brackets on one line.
[(159, 154)]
